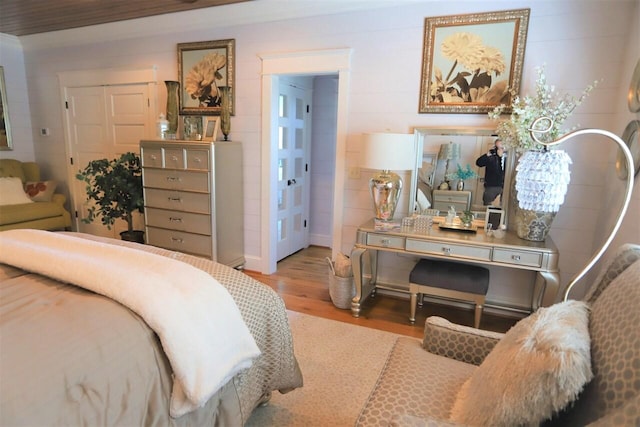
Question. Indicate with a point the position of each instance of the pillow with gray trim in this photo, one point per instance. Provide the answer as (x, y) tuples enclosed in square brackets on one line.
[(538, 368)]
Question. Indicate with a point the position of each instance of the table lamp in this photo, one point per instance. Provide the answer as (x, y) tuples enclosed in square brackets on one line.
[(387, 152), (448, 152)]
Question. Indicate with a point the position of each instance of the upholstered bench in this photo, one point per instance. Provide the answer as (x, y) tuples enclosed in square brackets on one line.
[(446, 279)]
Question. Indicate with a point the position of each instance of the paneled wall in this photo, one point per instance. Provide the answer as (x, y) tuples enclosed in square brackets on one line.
[(579, 41)]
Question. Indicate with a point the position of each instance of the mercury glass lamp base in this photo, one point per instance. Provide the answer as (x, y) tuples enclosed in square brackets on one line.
[(385, 190)]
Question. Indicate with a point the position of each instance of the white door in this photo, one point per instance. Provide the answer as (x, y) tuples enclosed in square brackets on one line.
[(293, 170), (104, 122)]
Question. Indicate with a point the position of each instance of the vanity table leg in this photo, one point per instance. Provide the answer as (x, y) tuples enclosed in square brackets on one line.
[(363, 289), (545, 290)]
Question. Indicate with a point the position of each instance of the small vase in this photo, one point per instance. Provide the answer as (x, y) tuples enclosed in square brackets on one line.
[(460, 185), (225, 113), (172, 105)]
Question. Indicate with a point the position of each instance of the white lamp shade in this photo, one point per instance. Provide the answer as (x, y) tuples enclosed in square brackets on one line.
[(388, 151)]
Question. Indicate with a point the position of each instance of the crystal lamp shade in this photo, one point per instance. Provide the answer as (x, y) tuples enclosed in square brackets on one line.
[(542, 179)]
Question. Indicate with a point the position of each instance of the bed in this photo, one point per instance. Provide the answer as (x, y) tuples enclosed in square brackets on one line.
[(71, 356)]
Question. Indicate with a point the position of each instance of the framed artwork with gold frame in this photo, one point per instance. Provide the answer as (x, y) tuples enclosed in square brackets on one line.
[(5, 128), (203, 69), (472, 63)]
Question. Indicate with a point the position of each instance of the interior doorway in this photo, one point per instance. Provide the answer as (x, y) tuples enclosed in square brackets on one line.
[(299, 63)]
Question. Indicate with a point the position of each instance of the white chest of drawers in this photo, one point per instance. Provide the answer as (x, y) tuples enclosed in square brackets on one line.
[(193, 198)]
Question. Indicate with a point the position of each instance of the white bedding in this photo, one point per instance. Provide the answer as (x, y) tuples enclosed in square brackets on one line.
[(197, 321)]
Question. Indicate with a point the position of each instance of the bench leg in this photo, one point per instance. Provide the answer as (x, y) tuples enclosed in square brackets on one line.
[(413, 300)]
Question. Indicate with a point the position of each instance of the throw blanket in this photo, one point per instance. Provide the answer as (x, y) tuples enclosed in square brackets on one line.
[(199, 325)]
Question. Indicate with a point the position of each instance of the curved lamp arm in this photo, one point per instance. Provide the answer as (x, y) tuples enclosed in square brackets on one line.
[(628, 187)]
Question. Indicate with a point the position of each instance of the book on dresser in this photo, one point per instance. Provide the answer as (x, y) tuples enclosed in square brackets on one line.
[(193, 198)]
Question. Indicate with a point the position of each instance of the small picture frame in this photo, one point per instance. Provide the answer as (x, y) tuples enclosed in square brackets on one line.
[(494, 218), (211, 127)]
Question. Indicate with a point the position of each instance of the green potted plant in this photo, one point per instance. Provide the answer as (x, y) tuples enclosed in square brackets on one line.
[(115, 187)]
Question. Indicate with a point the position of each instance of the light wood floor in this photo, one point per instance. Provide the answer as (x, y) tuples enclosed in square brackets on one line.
[(303, 283)]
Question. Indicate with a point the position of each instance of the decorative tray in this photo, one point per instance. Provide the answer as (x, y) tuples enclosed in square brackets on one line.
[(459, 227)]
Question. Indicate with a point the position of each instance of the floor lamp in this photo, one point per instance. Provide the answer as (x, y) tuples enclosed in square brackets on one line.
[(387, 152), (627, 191)]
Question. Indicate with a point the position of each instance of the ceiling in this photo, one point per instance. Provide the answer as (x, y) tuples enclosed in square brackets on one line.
[(24, 17)]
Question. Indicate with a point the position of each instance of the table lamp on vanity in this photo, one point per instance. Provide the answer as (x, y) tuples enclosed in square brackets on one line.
[(387, 152), (448, 152)]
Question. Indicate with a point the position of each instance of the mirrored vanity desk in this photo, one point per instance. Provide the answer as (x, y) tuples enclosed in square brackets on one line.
[(462, 246)]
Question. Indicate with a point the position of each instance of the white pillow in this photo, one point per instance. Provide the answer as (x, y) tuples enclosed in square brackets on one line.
[(535, 370), (12, 193)]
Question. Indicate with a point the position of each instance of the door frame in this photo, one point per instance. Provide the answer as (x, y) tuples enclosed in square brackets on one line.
[(330, 61), (100, 77)]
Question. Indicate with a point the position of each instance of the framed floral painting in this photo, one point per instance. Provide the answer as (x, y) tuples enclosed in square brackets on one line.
[(5, 129), (472, 63), (204, 68)]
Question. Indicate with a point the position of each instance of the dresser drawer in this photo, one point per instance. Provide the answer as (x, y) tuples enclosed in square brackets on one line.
[(460, 200), (197, 159), (152, 157), (176, 179), (531, 259), (447, 249), (385, 241), (180, 241), (174, 158), (177, 220), (177, 200)]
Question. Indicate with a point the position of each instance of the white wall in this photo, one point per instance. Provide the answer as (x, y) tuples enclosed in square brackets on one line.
[(323, 154), (579, 41)]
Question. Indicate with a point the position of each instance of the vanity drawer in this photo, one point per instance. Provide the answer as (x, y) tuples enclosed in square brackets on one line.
[(180, 241), (197, 159), (531, 259), (176, 180), (385, 241), (177, 200), (447, 249), (179, 221)]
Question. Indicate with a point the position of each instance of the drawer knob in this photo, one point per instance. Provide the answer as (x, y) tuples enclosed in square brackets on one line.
[(174, 199), (177, 240), (515, 257), (385, 242), (446, 250), (197, 159), (173, 219), (153, 157), (173, 179)]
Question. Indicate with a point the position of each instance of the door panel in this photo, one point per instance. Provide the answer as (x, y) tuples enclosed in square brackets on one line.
[(104, 122), (292, 191)]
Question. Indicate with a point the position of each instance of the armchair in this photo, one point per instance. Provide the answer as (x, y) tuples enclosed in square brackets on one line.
[(422, 381)]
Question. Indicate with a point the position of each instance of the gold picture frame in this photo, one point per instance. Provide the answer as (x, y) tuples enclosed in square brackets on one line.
[(211, 62), (472, 63), (5, 128)]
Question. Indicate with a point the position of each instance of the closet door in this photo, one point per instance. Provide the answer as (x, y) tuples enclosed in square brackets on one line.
[(103, 122)]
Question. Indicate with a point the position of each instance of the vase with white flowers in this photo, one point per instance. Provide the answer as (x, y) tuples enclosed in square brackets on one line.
[(542, 175)]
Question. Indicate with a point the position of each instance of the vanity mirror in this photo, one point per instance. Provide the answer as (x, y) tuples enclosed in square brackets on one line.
[(429, 173)]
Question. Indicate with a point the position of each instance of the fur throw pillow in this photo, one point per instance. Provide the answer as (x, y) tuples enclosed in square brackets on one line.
[(538, 368)]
